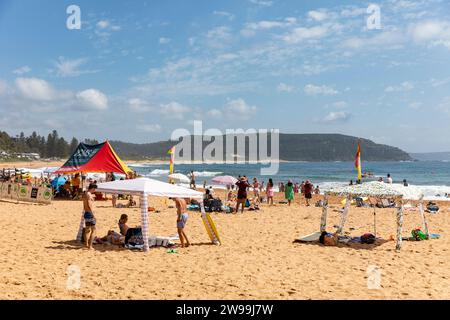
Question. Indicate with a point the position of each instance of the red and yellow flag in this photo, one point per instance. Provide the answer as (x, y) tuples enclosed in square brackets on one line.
[(172, 157), (358, 161)]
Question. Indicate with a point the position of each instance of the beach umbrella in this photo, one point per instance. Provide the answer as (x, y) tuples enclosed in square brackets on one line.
[(225, 180), (58, 181), (179, 177)]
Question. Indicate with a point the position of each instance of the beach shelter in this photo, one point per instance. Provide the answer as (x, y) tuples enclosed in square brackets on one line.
[(57, 182), (378, 190), (145, 187), (94, 158)]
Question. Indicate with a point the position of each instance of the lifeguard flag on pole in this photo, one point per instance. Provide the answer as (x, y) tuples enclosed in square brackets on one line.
[(172, 156), (94, 158), (358, 161)]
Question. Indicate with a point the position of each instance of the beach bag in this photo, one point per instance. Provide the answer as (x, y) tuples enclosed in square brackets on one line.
[(368, 238), (247, 203), (418, 235)]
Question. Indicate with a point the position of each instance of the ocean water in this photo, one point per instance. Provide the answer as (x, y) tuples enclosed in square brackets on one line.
[(432, 177)]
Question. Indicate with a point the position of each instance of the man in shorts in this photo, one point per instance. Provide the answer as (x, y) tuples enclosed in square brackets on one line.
[(182, 218), (89, 218)]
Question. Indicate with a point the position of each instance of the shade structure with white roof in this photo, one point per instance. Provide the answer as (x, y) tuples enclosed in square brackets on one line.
[(377, 190), (144, 187)]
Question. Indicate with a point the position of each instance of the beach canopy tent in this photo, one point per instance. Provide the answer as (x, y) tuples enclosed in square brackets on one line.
[(144, 187), (378, 190), (94, 158)]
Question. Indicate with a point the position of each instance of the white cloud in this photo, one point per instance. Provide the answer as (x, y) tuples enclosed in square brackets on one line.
[(239, 109), (214, 113), (314, 90), (415, 105), (318, 15), (340, 104), (282, 87), (435, 32), (219, 37), (70, 67), (405, 86), (301, 34), (174, 110), (339, 116), (163, 40), (36, 89), (353, 12), (224, 14), (3, 87), (138, 105), (380, 41), (22, 70), (103, 24), (149, 127), (262, 3), (251, 28), (92, 99)]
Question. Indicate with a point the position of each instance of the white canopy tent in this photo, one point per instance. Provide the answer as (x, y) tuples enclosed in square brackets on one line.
[(144, 187), (377, 190)]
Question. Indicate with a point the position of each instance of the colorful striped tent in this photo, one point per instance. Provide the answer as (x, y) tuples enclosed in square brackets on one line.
[(94, 158)]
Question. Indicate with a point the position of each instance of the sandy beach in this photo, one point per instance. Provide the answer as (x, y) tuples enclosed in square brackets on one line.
[(257, 260)]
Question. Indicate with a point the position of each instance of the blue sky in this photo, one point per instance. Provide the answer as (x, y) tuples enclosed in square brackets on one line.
[(137, 70)]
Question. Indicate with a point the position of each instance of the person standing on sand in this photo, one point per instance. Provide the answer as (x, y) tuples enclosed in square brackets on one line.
[(242, 186), (192, 182), (89, 218), (255, 188), (308, 192), (289, 192), (269, 192), (182, 218)]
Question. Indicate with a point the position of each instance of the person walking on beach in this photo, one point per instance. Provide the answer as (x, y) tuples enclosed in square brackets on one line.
[(89, 218), (281, 187), (269, 192), (289, 192), (182, 218), (302, 188), (296, 187), (308, 192), (255, 188), (242, 186), (192, 182)]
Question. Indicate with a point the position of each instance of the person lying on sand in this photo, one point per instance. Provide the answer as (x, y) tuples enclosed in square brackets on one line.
[(328, 239), (113, 238)]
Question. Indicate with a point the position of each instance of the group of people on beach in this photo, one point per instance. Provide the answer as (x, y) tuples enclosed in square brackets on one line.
[(126, 235)]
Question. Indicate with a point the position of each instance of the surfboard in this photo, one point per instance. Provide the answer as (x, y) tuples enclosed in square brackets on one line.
[(310, 237), (211, 229)]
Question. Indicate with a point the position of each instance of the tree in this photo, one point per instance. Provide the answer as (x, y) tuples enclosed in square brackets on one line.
[(73, 145)]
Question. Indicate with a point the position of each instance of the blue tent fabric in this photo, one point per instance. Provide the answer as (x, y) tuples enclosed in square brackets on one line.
[(58, 181)]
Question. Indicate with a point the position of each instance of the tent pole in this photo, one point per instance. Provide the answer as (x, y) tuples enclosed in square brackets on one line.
[(323, 219), (80, 228), (399, 225), (144, 219), (344, 214), (424, 220)]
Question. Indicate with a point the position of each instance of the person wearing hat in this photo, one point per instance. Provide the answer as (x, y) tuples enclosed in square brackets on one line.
[(242, 185), (289, 192), (308, 191)]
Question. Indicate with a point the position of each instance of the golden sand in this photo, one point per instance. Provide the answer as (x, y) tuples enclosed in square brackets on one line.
[(258, 259)]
